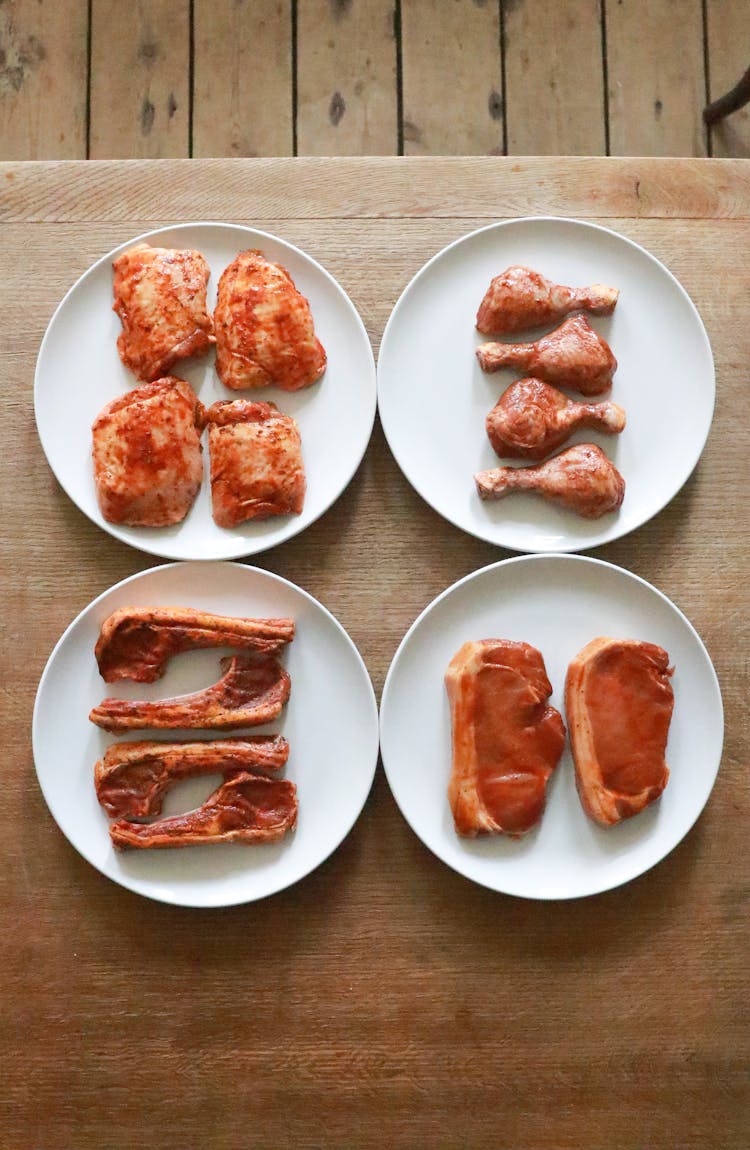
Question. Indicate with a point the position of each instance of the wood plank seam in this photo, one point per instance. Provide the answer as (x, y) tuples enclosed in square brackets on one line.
[(706, 73), (191, 74), (605, 74), (399, 77), (89, 21), (295, 78), (503, 80)]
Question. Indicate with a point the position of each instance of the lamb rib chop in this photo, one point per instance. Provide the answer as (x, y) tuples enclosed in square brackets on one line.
[(246, 809), (132, 778), (252, 691), (137, 642)]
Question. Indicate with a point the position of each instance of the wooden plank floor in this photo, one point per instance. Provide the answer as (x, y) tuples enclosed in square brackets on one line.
[(170, 78)]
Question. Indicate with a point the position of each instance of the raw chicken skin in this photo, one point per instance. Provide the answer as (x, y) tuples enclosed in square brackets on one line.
[(160, 297), (246, 808), (256, 462), (520, 298), (264, 328), (580, 479), (252, 691), (132, 778), (619, 702), (137, 642), (573, 355), (506, 740), (148, 463), (531, 419)]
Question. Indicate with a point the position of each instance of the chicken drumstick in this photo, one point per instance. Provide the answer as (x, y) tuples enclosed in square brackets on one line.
[(573, 355), (531, 419), (580, 478), (520, 298)]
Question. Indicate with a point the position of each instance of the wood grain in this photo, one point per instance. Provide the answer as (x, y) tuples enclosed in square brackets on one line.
[(243, 78), (452, 78), (554, 80), (657, 83), (140, 57), (346, 78), (728, 56), (378, 188), (384, 999), (43, 80)]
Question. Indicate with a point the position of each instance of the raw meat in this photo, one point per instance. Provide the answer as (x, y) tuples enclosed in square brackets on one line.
[(246, 808), (520, 298), (573, 355), (160, 297), (506, 740), (137, 642), (132, 778), (580, 479), (531, 419), (252, 691), (264, 328), (256, 462), (148, 464), (619, 702)]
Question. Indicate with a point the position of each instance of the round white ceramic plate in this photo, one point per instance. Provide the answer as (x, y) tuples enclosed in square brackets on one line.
[(79, 371), (330, 721), (433, 397), (558, 604)]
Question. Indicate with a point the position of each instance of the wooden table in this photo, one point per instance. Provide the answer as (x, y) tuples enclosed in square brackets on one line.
[(99, 79), (384, 1000)]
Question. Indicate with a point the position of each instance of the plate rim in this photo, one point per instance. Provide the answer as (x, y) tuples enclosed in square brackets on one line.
[(535, 558), (153, 547), (571, 547), (125, 881)]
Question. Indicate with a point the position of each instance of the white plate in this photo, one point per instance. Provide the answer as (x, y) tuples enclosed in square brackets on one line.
[(79, 371), (330, 721), (433, 397), (557, 603)]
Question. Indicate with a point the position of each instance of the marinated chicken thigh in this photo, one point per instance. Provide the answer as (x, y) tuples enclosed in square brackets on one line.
[(160, 297), (619, 701), (252, 691), (507, 741), (580, 478), (256, 462), (132, 778), (531, 419), (264, 328), (573, 355), (246, 808), (147, 454), (520, 298), (137, 642)]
